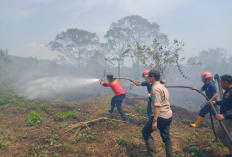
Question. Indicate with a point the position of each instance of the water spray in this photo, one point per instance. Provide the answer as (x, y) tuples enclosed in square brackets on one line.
[(49, 86)]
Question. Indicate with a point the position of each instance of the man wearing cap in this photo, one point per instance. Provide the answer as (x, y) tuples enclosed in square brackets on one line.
[(225, 112), (162, 116), (119, 94)]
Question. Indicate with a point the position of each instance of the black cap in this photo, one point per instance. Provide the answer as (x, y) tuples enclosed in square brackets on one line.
[(110, 76), (227, 78), (155, 74)]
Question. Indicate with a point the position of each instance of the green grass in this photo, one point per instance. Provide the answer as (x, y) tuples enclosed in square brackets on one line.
[(195, 151), (3, 144), (141, 109), (121, 148), (33, 117), (65, 115)]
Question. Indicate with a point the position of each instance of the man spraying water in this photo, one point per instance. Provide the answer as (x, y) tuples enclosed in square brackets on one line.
[(119, 94)]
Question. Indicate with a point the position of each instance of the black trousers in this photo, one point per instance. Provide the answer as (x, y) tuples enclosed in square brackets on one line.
[(163, 126), (117, 101)]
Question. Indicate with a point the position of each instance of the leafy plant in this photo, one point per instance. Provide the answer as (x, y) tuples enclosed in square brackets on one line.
[(33, 117), (121, 144), (140, 109), (196, 151), (65, 115), (3, 144)]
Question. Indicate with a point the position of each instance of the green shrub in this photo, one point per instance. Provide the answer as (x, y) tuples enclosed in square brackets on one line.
[(33, 117), (121, 141), (196, 151), (141, 109), (3, 144), (65, 115), (3, 101), (121, 148), (45, 108)]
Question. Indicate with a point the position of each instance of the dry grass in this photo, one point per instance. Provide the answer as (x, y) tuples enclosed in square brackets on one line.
[(50, 138)]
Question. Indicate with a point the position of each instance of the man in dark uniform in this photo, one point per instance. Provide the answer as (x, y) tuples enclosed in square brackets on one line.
[(225, 112)]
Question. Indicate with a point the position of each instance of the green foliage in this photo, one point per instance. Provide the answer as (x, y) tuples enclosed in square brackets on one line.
[(3, 101), (121, 148), (196, 151), (44, 108), (140, 109), (50, 138), (33, 117), (112, 124), (65, 115), (179, 155), (41, 150), (121, 141), (85, 135), (160, 56), (3, 144)]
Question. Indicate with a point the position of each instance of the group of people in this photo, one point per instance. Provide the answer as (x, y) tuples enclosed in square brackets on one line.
[(159, 111)]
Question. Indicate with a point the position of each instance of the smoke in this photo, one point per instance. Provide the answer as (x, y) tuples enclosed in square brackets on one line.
[(46, 87)]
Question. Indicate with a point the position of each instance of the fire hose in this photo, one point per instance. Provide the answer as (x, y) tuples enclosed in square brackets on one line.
[(210, 103), (212, 107)]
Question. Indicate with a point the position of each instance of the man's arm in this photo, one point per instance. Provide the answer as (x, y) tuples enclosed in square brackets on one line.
[(103, 83), (156, 101), (136, 82), (213, 98)]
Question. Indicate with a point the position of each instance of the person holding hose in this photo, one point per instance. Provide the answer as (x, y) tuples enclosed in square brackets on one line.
[(119, 94), (211, 92), (225, 112), (162, 116), (147, 84)]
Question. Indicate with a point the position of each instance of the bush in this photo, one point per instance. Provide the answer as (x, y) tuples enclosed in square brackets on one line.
[(141, 109), (33, 117), (121, 141), (3, 144), (65, 115), (196, 151)]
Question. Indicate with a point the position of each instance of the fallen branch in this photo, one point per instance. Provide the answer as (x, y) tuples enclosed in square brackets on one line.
[(82, 125)]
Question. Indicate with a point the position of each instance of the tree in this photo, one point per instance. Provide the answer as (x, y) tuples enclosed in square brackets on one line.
[(128, 32), (213, 60), (160, 57), (76, 45)]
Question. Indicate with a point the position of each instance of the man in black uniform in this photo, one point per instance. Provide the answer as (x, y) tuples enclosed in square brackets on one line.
[(225, 112)]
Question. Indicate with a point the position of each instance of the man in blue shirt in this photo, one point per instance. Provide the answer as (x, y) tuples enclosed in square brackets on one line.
[(147, 84), (211, 92)]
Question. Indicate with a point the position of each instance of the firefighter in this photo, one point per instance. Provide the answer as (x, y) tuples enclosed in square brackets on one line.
[(162, 116), (225, 112), (147, 84), (211, 92), (119, 94)]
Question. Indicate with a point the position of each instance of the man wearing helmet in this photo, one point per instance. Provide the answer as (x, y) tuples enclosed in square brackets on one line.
[(119, 94), (211, 92), (147, 129), (147, 84)]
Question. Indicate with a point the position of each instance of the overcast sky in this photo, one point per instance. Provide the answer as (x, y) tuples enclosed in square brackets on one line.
[(26, 26)]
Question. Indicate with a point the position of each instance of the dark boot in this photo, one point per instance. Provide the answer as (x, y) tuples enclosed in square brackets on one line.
[(150, 147), (168, 149)]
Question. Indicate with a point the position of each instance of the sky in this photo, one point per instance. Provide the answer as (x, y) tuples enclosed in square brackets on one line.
[(26, 26)]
